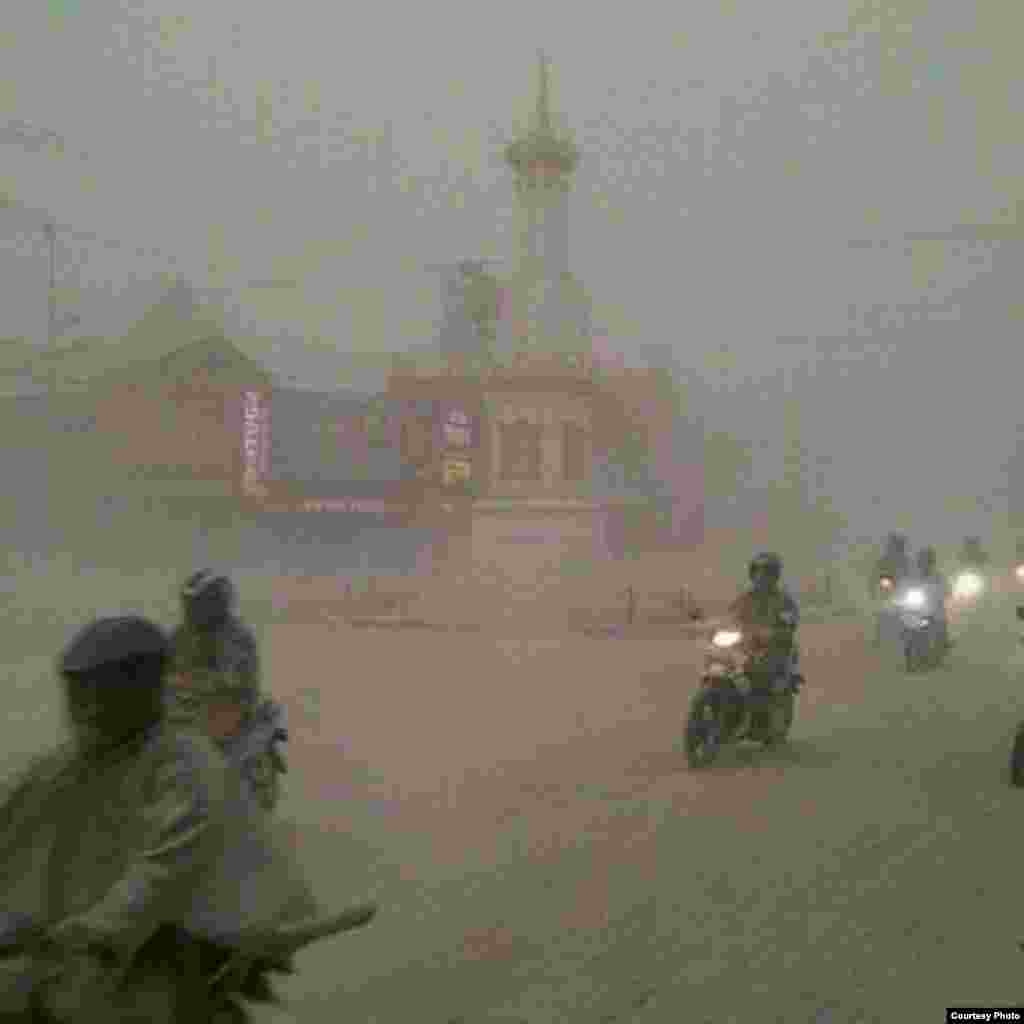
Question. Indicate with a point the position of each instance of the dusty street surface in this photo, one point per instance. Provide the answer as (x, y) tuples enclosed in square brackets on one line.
[(542, 854)]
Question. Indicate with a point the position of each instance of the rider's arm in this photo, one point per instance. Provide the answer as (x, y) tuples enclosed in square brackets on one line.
[(182, 812), (248, 666)]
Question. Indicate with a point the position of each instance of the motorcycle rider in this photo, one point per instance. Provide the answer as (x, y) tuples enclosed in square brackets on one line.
[(216, 678), (768, 616), (973, 557), (895, 559), (134, 845), (936, 588)]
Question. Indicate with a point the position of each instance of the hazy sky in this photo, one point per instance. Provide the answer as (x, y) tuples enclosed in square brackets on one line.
[(728, 157)]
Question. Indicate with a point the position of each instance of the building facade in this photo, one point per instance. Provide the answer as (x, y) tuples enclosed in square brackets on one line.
[(542, 473)]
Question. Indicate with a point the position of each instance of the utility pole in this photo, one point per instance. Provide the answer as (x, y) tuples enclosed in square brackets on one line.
[(50, 231)]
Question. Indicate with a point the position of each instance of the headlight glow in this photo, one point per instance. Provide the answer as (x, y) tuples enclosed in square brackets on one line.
[(968, 584), (726, 638), (914, 599), (1019, 573)]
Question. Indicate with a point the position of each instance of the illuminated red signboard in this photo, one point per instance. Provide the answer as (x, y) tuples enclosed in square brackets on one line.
[(255, 442)]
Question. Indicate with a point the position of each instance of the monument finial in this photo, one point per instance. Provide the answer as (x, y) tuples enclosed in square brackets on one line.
[(543, 95), (543, 148)]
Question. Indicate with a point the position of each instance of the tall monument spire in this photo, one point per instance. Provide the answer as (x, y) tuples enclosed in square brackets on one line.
[(543, 99), (542, 153), (542, 161)]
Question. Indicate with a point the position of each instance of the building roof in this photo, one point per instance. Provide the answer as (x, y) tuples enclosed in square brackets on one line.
[(213, 354)]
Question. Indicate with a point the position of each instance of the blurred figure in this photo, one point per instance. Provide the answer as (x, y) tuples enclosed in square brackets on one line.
[(769, 617), (936, 589), (216, 681), (130, 837), (973, 557), (894, 562)]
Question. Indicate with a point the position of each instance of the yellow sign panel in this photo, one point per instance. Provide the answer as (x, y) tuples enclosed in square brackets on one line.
[(457, 471)]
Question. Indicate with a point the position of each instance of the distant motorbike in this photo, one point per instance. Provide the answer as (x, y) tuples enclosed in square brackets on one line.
[(212, 985), (1017, 758), (922, 634), (884, 590), (725, 711), (1017, 754)]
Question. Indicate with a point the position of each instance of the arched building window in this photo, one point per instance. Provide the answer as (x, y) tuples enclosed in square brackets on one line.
[(573, 452), (520, 451), (417, 440)]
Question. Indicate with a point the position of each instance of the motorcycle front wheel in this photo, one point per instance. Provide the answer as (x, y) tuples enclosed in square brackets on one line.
[(703, 739), (1017, 759), (913, 650)]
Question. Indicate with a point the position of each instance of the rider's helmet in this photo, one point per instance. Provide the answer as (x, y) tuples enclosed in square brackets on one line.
[(972, 551), (207, 598), (765, 570), (897, 543), (113, 672), (926, 561)]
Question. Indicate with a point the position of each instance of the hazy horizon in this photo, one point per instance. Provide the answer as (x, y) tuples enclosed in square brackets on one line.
[(728, 158)]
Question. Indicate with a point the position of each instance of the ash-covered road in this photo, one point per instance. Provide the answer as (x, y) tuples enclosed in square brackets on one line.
[(543, 854)]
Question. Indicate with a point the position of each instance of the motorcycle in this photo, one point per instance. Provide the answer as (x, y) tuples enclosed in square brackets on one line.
[(884, 590), (1017, 758), (208, 983), (922, 639), (724, 710), (1017, 753)]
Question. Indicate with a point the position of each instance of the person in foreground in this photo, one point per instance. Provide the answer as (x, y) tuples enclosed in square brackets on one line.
[(216, 677), (769, 618), (135, 850)]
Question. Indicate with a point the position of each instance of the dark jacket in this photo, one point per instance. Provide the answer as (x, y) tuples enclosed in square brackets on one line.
[(770, 618), (227, 656), (893, 564)]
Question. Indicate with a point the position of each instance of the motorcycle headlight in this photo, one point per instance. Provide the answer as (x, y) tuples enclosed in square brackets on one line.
[(968, 584), (726, 638), (913, 599)]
